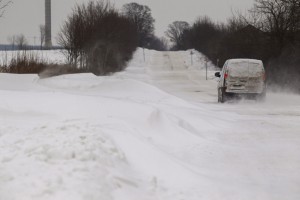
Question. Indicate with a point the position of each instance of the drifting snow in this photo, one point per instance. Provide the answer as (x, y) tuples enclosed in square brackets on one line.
[(151, 132)]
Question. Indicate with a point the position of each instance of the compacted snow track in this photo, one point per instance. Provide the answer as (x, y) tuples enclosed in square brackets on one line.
[(152, 132)]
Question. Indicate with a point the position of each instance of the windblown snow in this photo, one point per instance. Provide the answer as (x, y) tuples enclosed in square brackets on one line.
[(152, 132)]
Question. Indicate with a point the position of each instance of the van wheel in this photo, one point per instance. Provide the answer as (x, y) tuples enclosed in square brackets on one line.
[(222, 97)]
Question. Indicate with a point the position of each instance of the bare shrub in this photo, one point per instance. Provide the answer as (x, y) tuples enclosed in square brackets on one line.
[(27, 62), (23, 63), (97, 38)]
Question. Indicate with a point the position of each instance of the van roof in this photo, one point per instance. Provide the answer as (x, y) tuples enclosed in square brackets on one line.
[(243, 60)]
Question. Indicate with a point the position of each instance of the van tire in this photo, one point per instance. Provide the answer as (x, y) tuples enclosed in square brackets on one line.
[(222, 97)]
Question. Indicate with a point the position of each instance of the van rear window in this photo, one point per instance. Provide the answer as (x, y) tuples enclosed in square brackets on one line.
[(245, 69), (238, 69), (255, 69)]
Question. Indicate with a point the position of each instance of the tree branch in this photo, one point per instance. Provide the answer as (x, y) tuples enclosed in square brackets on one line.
[(3, 5)]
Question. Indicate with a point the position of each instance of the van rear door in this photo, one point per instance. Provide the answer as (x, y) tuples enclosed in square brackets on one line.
[(238, 72), (256, 76), (245, 76)]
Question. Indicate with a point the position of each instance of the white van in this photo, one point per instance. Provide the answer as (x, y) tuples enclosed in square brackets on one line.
[(242, 77)]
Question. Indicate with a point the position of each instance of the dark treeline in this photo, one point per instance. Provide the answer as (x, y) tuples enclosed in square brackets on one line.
[(270, 32)]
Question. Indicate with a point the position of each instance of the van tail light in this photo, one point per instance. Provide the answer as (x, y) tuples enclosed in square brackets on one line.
[(226, 75)]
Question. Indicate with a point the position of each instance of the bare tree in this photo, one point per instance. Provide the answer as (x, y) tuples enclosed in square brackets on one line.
[(18, 41), (21, 41), (3, 5), (97, 38), (175, 32), (281, 18), (42, 35), (142, 18), (80, 27)]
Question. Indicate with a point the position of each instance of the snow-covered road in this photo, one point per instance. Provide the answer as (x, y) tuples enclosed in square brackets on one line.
[(152, 132)]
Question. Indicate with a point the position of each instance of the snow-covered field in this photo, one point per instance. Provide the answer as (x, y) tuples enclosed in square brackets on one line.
[(152, 132), (53, 56)]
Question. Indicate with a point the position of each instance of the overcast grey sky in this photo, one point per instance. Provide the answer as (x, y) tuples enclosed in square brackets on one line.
[(25, 16)]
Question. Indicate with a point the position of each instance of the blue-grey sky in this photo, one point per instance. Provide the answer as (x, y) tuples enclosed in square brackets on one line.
[(25, 16)]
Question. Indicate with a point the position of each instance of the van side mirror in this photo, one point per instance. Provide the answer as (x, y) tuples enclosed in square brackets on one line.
[(218, 74)]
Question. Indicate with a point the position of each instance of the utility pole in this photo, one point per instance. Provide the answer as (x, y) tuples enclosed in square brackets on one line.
[(145, 45), (48, 42), (191, 56), (206, 60)]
